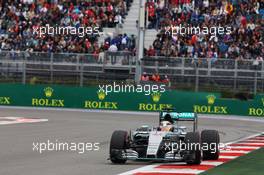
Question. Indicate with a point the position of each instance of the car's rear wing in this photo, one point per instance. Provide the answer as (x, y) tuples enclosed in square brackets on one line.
[(179, 116)]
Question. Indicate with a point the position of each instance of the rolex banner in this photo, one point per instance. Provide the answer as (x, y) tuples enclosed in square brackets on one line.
[(92, 98)]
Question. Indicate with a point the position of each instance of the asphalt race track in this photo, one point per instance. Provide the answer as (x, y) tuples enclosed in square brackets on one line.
[(16, 140)]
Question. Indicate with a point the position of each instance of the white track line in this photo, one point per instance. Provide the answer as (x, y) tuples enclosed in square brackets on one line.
[(234, 151), (250, 144), (212, 163), (142, 169), (228, 157), (161, 170), (245, 138), (246, 147), (256, 141)]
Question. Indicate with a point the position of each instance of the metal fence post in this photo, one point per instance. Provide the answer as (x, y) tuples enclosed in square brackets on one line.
[(255, 64), (209, 67), (255, 83), (80, 62), (235, 76), (262, 73), (24, 69), (51, 67), (182, 66), (196, 77), (255, 80)]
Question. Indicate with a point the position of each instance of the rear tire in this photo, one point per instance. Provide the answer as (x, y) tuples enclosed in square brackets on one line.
[(211, 138), (118, 144), (193, 144)]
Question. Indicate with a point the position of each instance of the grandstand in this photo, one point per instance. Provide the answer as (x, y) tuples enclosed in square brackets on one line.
[(192, 61)]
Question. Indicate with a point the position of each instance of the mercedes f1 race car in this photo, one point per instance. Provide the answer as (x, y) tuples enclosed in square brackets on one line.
[(168, 142)]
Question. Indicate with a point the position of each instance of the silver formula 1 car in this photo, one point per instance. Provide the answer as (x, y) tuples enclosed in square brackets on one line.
[(168, 142)]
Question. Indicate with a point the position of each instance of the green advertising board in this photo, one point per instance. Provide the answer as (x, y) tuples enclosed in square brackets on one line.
[(92, 98)]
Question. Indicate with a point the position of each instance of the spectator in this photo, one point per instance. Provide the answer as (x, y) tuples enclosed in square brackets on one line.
[(155, 77), (165, 79), (101, 56), (144, 77), (113, 49), (151, 51)]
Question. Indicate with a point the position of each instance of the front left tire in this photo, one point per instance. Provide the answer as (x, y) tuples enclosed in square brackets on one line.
[(118, 144)]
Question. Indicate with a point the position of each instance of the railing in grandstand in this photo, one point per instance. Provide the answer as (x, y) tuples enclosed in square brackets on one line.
[(61, 68), (220, 74), (83, 69), (119, 58)]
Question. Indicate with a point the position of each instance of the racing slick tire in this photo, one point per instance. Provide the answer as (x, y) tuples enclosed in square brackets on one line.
[(118, 144), (211, 139), (193, 148)]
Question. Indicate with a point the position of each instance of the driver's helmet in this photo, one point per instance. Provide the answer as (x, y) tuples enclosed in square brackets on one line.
[(165, 126)]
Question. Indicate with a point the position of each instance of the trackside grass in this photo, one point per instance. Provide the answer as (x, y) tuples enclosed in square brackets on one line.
[(250, 164)]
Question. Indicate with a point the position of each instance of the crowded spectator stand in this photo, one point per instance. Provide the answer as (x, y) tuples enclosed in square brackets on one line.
[(19, 19), (246, 17)]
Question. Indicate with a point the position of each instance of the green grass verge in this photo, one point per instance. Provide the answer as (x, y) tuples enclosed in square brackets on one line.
[(250, 164)]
